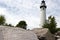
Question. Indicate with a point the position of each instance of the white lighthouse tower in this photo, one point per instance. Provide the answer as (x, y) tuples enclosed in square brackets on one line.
[(42, 13)]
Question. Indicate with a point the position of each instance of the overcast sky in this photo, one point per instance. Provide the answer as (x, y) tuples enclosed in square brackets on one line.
[(28, 10)]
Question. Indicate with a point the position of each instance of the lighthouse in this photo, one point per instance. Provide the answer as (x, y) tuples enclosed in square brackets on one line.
[(42, 13)]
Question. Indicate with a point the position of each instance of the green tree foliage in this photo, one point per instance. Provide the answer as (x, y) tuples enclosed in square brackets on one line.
[(2, 20), (51, 25), (45, 25), (10, 25), (22, 24), (58, 29)]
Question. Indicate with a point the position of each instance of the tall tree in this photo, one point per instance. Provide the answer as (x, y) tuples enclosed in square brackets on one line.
[(2, 20), (22, 24), (51, 25)]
